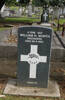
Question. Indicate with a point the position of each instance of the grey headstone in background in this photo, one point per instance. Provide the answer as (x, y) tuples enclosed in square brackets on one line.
[(64, 11), (30, 10), (60, 11), (34, 45), (36, 9), (50, 10), (26, 11), (19, 12), (56, 12), (5, 13)]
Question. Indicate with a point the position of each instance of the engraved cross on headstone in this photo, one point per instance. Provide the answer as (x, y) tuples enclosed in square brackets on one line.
[(45, 16), (33, 58)]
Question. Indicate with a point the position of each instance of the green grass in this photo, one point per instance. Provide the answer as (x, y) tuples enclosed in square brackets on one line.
[(22, 19), (28, 98), (14, 8), (4, 28), (19, 98), (55, 29), (61, 21)]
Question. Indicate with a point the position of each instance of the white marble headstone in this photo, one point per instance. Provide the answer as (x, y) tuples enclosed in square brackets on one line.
[(3, 8)]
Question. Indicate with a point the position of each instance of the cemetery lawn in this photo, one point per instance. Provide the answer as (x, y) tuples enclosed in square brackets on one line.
[(61, 21), (21, 19), (14, 8), (4, 28), (28, 98)]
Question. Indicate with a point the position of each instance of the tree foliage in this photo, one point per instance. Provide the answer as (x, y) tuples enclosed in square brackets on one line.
[(54, 2), (24, 1), (36, 2), (13, 2), (10, 2), (40, 2), (63, 1), (48, 2), (57, 2), (44, 2)]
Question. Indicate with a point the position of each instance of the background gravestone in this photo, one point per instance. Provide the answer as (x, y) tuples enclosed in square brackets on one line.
[(56, 12), (19, 12), (45, 16), (60, 11), (30, 10), (64, 11), (34, 45), (5, 13)]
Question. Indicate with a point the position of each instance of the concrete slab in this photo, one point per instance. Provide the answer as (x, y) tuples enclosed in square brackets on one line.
[(45, 24), (51, 91)]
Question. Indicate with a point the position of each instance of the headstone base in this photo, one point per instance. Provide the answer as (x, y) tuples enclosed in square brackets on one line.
[(51, 91), (45, 24)]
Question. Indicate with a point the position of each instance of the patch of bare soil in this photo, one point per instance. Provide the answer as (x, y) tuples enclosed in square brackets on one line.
[(61, 82), (58, 74), (3, 82), (11, 39)]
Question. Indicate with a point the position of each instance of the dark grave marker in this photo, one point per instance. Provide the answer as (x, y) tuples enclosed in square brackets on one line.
[(45, 16), (34, 48)]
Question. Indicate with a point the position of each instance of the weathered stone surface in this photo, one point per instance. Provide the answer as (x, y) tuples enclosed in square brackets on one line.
[(51, 91)]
